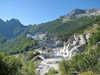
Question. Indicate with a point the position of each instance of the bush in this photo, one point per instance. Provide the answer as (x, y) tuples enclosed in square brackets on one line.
[(86, 73), (52, 72), (33, 54)]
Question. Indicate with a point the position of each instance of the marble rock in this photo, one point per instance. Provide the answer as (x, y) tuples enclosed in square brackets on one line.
[(71, 39)]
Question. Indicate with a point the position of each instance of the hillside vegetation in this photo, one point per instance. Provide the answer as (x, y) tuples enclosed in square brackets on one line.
[(88, 62), (18, 56), (67, 29), (19, 44), (64, 30)]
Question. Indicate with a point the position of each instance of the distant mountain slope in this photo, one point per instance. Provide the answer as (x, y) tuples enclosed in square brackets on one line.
[(3, 39), (19, 44), (78, 13), (65, 26), (12, 28), (65, 30)]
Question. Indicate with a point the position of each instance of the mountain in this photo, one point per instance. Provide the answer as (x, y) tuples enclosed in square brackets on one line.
[(68, 24), (77, 38), (82, 11), (67, 29), (14, 29), (3, 39), (78, 13), (11, 28)]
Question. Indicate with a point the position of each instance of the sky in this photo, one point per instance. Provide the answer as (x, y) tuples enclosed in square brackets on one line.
[(41, 11)]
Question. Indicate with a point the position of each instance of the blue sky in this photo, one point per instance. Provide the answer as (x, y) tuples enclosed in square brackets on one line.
[(40, 11)]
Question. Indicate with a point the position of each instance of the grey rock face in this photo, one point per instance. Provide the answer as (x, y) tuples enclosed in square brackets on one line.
[(93, 10), (76, 37), (76, 43), (71, 39), (82, 39), (78, 13)]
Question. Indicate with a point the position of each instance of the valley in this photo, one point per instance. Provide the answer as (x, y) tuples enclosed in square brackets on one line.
[(68, 44), (54, 50)]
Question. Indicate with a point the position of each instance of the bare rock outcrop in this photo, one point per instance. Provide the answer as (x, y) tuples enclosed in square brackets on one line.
[(71, 39), (78, 13), (74, 45)]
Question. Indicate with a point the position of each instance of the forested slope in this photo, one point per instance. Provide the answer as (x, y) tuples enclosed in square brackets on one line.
[(19, 44), (67, 29)]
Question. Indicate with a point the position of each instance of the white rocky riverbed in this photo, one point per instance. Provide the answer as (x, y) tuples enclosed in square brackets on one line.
[(54, 50), (52, 57)]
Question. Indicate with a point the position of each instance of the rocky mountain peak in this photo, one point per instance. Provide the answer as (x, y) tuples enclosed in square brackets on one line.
[(82, 11), (1, 20), (14, 20), (91, 10), (76, 12)]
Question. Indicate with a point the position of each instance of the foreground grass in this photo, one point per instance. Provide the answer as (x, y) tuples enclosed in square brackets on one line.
[(88, 73)]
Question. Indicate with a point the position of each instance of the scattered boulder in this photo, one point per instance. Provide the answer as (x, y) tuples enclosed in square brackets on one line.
[(76, 37), (87, 35), (71, 39)]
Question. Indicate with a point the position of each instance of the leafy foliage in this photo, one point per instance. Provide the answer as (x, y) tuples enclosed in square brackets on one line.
[(64, 67), (87, 73), (82, 63), (31, 55), (52, 72), (87, 61), (9, 65), (95, 38), (30, 69)]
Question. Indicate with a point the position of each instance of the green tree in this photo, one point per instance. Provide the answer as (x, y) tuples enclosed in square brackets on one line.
[(64, 66), (30, 69), (9, 65), (52, 72)]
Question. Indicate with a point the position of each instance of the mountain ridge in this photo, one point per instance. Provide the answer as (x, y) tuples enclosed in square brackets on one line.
[(78, 13), (11, 28)]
